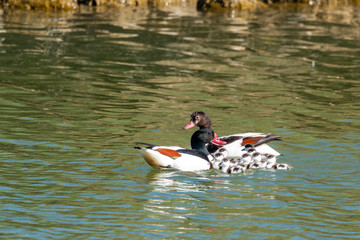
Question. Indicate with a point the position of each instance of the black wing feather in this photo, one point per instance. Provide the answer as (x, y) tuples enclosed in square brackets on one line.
[(147, 144), (194, 152), (266, 140)]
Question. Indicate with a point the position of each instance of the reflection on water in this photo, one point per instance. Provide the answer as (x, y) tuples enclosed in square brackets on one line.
[(77, 90)]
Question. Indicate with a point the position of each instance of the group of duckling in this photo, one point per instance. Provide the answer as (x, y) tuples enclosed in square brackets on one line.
[(230, 154), (248, 160)]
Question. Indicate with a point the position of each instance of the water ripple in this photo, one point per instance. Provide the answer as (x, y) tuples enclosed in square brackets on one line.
[(78, 90)]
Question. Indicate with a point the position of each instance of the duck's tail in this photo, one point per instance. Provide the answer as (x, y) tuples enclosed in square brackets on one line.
[(268, 138), (147, 144)]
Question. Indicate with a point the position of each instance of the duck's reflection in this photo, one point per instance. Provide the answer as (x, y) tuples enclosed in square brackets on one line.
[(176, 194), (181, 192), (172, 180), (208, 197)]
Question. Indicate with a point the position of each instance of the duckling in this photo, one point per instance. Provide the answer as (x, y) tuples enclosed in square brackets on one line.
[(270, 160), (282, 166), (245, 159)]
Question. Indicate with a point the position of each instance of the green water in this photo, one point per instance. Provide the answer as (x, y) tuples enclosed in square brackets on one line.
[(78, 89)]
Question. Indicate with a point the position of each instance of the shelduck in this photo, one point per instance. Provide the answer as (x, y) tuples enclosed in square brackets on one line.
[(236, 144), (195, 159)]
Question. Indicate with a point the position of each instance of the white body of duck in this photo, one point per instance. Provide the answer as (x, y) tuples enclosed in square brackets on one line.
[(236, 144), (183, 159), (173, 157)]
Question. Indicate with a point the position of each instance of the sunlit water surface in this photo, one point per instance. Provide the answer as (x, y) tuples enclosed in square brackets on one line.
[(78, 89)]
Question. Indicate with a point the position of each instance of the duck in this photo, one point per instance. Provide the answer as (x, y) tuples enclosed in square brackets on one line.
[(183, 159), (236, 144)]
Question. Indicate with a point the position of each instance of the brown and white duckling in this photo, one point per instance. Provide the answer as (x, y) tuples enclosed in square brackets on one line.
[(246, 159), (218, 157), (224, 165), (257, 157), (270, 160), (236, 169), (282, 166)]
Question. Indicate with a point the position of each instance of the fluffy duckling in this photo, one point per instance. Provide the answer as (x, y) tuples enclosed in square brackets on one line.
[(282, 166), (270, 161)]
